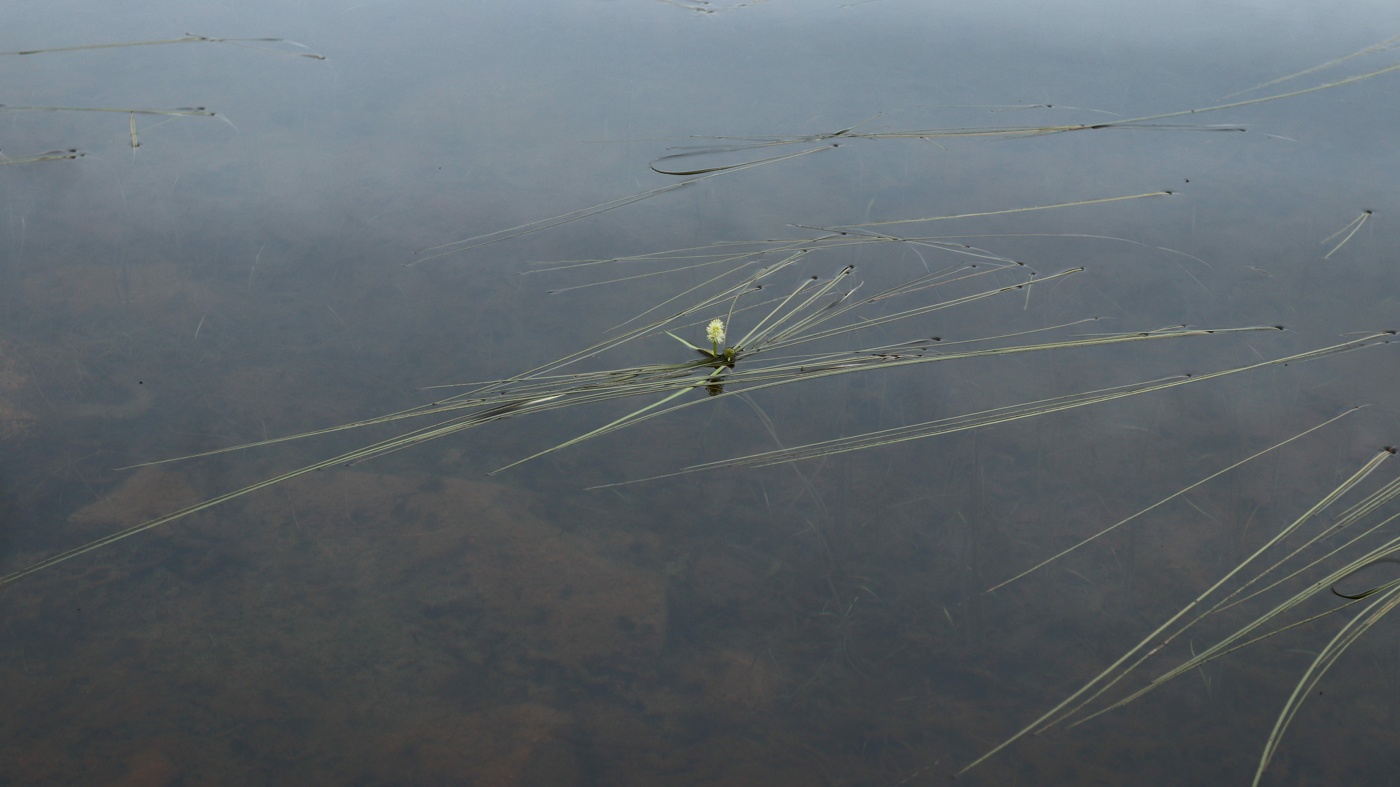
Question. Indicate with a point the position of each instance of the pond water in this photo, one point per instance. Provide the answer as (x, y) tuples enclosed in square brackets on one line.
[(275, 268)]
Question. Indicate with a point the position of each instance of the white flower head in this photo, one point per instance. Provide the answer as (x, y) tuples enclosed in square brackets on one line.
[(715, 333)]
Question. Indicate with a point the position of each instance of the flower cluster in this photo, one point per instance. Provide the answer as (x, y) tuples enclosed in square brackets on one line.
[(715, 333)]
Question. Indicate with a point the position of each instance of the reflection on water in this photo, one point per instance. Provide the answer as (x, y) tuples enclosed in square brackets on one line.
[(413, 621)]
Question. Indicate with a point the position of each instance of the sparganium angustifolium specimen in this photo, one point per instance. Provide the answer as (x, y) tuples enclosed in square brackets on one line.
[(715, 333)]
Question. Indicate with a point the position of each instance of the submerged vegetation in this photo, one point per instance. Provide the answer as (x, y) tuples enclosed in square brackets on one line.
[(778, 312)]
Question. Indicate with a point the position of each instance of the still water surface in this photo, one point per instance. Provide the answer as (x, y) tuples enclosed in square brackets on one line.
[(413, 620)]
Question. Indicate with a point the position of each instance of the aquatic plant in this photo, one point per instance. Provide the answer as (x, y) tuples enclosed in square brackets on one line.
[(259, 44), (818, 328), (814, 310), (1310, 562), (827, 141)]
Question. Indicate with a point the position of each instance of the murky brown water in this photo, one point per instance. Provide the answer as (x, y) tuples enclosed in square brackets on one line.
[(414, 621)]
